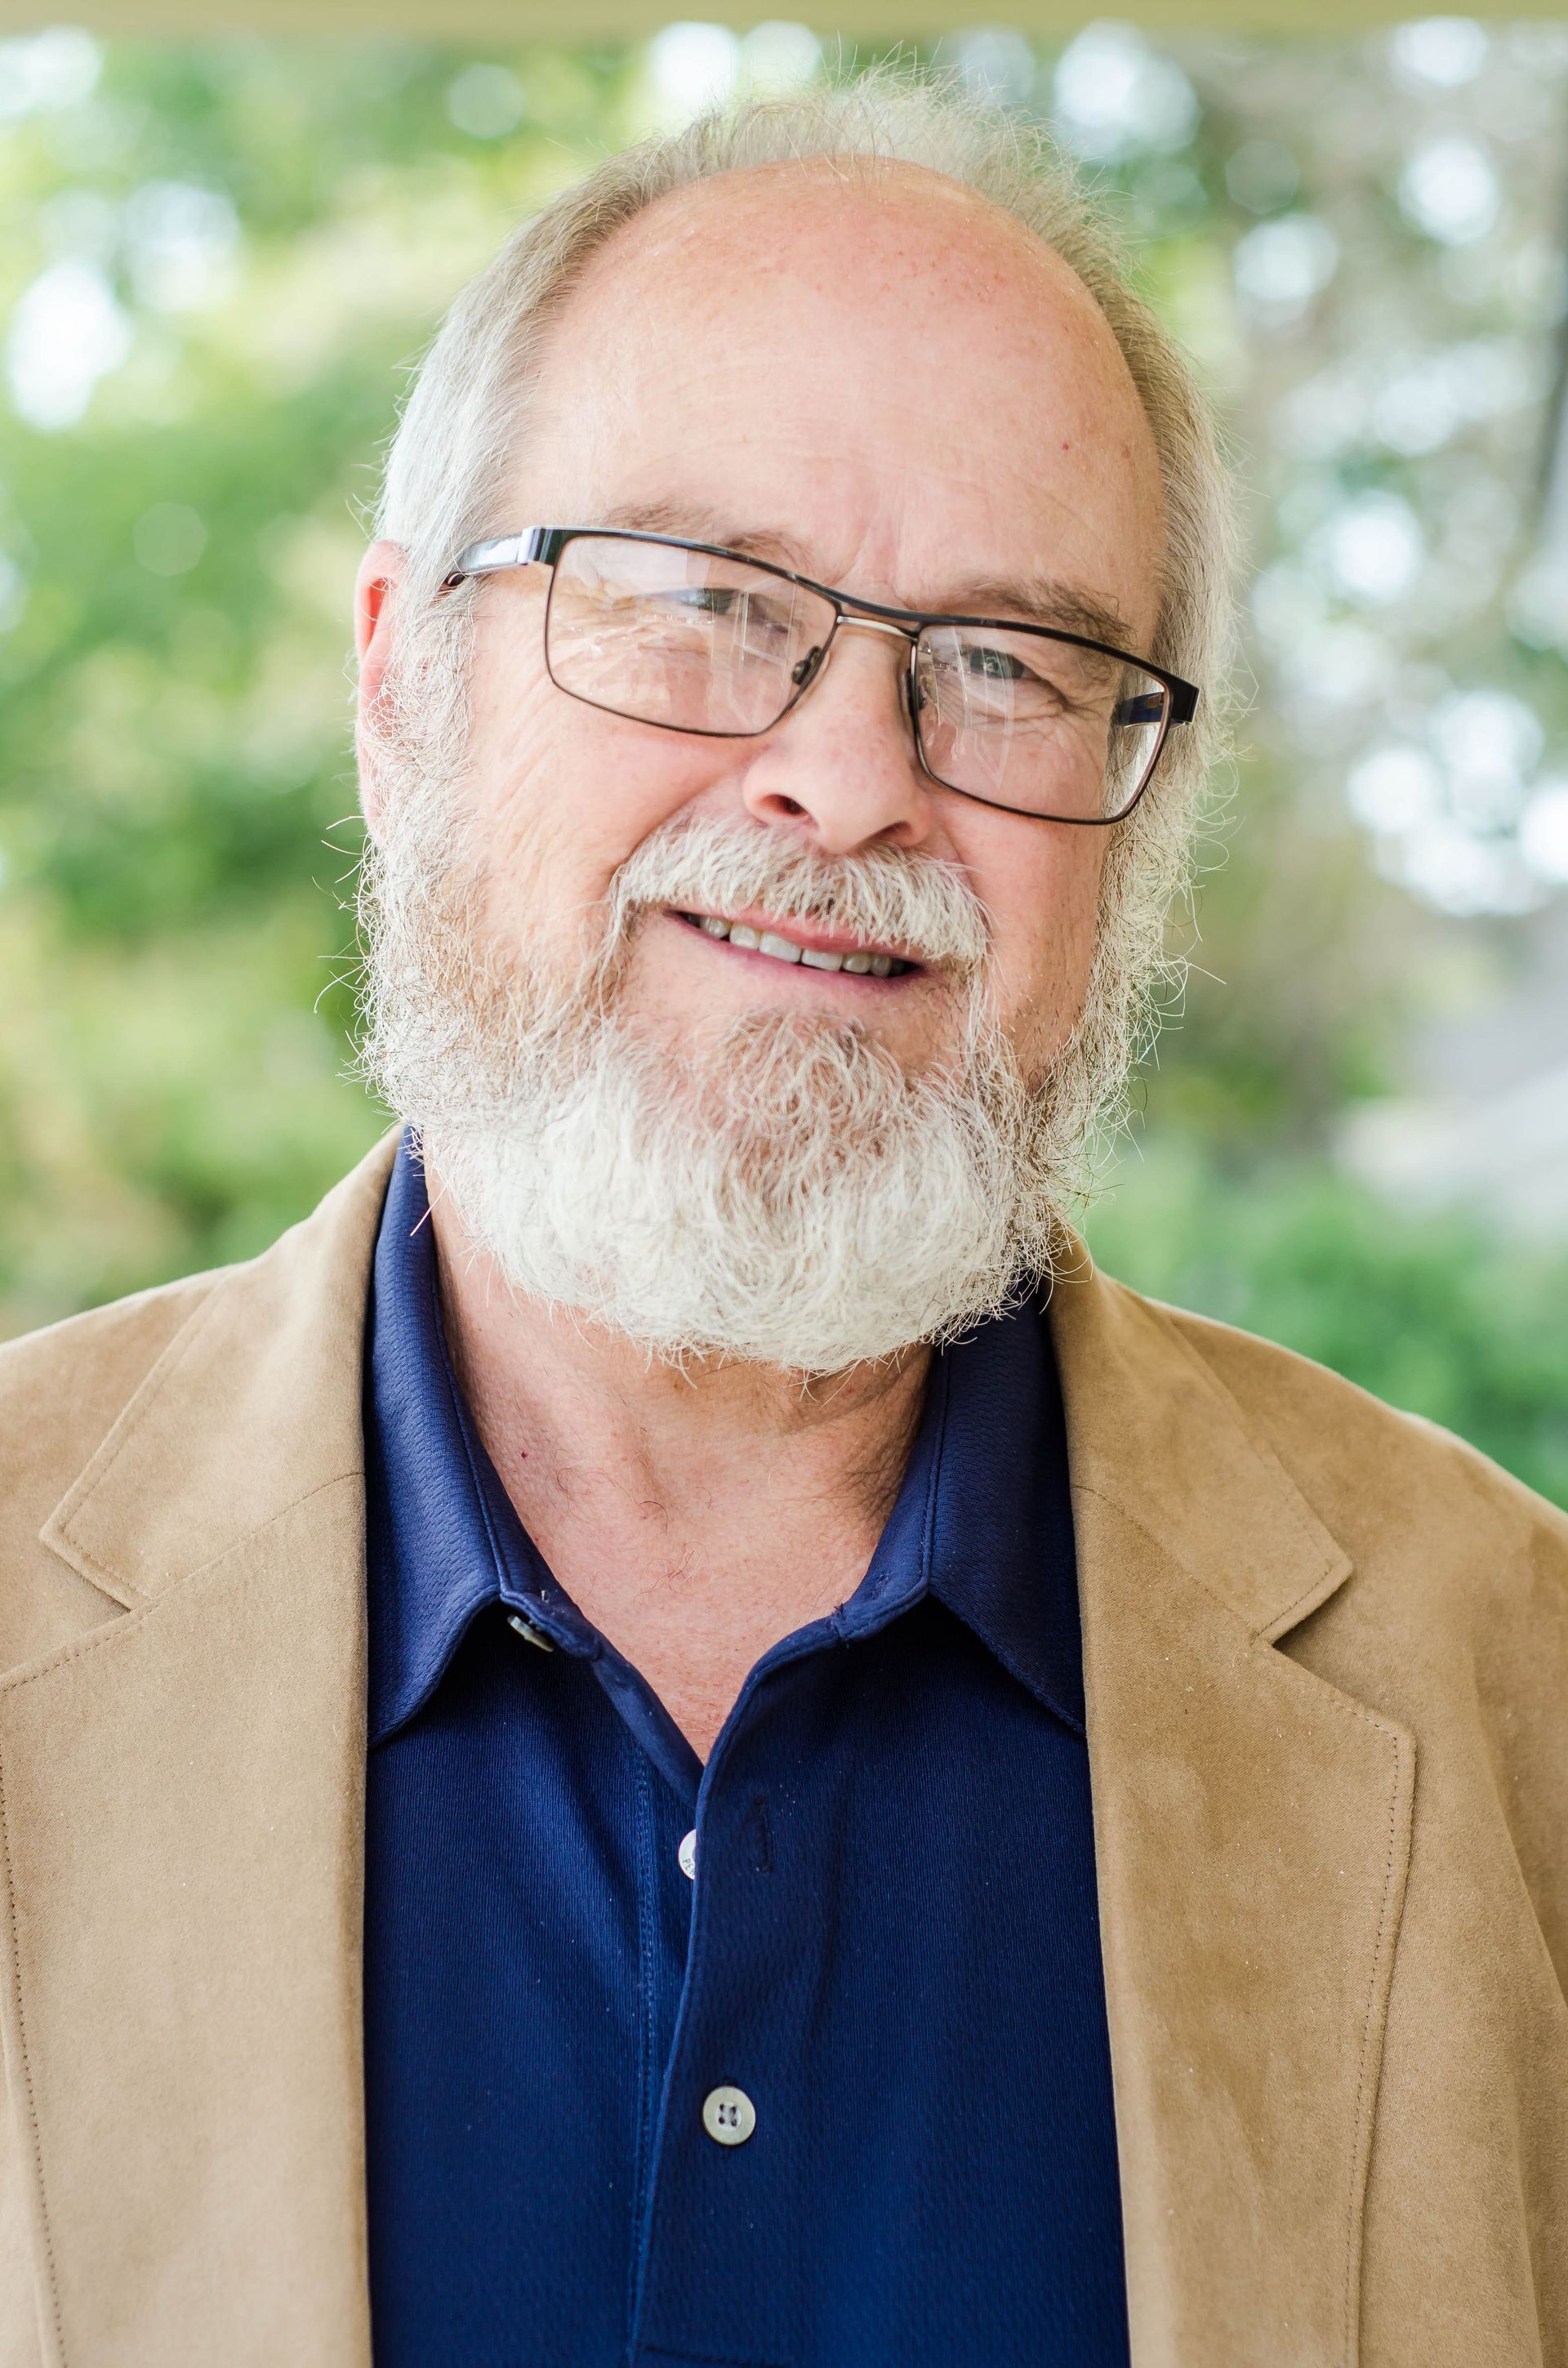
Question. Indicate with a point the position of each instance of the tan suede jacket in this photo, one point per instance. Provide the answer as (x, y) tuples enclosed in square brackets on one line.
[(1326, 1660)]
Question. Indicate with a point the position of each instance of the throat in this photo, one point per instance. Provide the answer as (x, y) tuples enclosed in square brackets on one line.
[(694, 1568), (695, 1516)]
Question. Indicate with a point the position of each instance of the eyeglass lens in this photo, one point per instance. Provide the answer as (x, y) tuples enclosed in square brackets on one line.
[(698, 643)]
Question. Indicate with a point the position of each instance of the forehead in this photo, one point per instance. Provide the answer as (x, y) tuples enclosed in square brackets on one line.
[(872, 358)]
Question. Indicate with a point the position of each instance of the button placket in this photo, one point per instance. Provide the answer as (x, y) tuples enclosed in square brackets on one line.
[(702, 2205)]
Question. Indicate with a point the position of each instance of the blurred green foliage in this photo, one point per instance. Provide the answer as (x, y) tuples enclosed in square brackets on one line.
[(257, 240), (278, 230), (1436, 1315)]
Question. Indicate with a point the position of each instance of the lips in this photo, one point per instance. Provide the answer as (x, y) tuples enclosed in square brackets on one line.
[(859, 961)]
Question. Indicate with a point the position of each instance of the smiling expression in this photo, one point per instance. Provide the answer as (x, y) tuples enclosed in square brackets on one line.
[(878, 380)]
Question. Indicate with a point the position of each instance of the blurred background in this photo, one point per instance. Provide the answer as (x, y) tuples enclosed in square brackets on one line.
[(218, 260)]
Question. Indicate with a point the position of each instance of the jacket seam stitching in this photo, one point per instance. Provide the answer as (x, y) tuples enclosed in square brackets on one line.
[(1346, 1704), (1364, 2100), (102, 1574), (1285, 1613), (51, 2273), (1347, 1707), (1260, 1635), (143, 1399), (143, 1610), (79, 1652)]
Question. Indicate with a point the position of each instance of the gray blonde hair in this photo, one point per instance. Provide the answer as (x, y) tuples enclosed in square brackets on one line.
[(456, 446)]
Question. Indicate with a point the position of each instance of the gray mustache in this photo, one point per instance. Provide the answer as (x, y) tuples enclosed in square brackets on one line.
[(713, 864)]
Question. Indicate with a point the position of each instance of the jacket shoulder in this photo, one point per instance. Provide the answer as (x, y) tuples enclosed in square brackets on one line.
[(61, 1389)]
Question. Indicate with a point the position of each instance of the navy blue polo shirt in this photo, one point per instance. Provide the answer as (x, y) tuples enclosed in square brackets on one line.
[(889, 1952)]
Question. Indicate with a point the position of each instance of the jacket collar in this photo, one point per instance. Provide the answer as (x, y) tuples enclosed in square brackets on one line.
[(252, 1408), (183, 1795)]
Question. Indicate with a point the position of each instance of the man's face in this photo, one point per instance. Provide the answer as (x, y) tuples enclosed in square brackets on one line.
[(886, 385)]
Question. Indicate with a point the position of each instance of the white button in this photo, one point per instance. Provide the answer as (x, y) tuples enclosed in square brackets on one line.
[(728, 2115), (686, 1855), (525, 1628)]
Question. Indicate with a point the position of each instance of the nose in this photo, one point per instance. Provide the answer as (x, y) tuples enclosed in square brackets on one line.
[(842, 764)]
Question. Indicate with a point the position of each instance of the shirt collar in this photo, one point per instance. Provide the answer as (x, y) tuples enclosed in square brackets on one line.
[(982, 1520), (444, 1540)]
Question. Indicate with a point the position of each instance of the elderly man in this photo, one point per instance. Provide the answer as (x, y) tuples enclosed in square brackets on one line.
[(797, 1780)]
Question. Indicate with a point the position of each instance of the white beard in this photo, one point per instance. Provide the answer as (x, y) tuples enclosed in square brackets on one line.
[(781, 1191)]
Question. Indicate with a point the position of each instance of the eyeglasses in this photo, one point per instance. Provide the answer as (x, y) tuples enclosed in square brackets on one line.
[(695, 638)]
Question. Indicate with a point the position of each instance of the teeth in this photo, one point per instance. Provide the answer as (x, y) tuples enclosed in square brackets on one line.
[(769, 941)]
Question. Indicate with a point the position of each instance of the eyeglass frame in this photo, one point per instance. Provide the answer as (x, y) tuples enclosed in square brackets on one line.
[(542, 545)]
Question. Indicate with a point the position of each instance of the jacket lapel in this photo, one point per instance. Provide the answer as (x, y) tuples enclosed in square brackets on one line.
[(183, 1805), (1252, 1828)]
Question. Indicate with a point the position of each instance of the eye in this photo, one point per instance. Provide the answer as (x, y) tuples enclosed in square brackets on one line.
[(700, 599), (992, 665), (759, 618), (1017, 677)]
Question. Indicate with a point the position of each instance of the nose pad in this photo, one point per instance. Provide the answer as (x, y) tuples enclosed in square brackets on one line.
[(810, 668)]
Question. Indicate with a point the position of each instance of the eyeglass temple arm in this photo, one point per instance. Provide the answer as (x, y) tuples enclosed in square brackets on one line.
[(510, 551)]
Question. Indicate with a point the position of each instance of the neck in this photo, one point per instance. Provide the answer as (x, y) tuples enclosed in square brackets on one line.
[(695, 1514)]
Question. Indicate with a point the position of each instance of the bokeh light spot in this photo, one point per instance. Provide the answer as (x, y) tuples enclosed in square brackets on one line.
[(485, 101), (169, 539)]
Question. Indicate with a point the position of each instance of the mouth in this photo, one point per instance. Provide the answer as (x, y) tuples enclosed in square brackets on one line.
[(801, 944)]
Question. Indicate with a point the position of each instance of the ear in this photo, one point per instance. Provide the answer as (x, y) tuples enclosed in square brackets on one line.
[(381, 574)]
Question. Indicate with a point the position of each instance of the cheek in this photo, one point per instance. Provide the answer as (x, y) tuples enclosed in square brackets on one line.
[(558, 796), (1044, 895)]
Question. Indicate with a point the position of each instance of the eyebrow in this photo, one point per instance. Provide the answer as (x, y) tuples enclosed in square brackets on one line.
[(1034, 599)]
